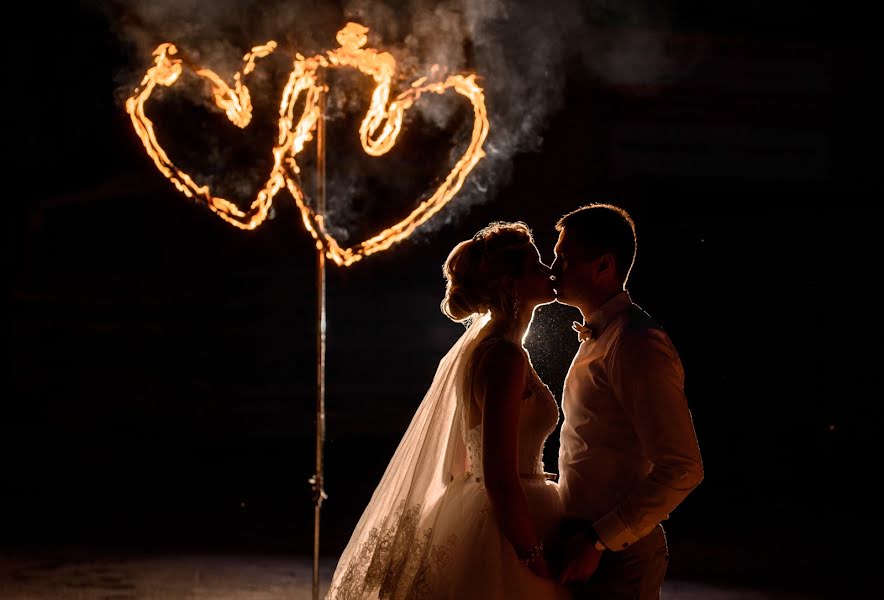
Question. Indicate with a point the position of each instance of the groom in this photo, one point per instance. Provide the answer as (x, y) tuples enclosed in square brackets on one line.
[(628, 453)]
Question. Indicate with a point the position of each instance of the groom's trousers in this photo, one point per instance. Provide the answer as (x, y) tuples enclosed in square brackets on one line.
[(635, 573)]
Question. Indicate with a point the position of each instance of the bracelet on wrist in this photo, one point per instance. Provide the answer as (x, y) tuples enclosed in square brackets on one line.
[(530, 556)]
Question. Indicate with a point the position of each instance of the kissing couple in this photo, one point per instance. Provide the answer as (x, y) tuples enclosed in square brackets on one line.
[(465, 509)]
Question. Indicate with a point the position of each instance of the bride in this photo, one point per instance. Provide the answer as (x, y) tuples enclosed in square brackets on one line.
[(464, 507)]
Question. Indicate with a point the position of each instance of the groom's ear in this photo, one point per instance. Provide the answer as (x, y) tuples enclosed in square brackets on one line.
[(606, 266)]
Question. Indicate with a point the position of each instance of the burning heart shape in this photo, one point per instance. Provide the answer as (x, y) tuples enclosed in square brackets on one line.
[(378, 132)]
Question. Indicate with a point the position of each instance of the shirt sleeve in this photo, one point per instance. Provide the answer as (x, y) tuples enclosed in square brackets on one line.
[(647, 377)]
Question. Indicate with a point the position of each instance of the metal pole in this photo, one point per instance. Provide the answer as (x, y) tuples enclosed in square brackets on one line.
[(318, 478)]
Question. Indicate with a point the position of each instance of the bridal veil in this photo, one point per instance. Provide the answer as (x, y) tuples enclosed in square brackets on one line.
[(395, 550)]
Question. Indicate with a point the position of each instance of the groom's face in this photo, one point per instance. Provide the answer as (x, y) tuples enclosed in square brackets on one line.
[(573, 272)]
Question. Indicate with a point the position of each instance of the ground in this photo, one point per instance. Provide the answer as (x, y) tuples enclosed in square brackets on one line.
[(77, 574)]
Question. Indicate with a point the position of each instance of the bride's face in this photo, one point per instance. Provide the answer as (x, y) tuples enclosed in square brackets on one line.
[(535, 285)]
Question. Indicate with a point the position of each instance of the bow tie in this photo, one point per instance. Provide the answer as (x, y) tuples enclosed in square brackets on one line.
[(584, 332)]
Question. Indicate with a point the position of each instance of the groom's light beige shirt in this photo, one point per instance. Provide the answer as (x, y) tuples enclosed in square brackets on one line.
[(628, 451)]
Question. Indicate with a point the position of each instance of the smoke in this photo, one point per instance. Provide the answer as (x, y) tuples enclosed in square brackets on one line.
[(521, 51), (629, 45)]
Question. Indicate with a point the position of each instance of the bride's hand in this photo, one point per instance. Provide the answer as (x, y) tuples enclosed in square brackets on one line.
[(581, 559)]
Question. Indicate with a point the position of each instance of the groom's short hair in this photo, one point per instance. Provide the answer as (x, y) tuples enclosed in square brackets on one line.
[(600, 228)]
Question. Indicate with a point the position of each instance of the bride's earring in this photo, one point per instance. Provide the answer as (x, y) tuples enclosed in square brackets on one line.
[(516, 306)]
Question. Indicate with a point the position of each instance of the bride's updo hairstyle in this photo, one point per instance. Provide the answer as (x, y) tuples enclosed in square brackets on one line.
[(475, 267)]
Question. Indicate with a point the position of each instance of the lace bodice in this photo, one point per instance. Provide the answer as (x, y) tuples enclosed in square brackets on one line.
[(538, 418)]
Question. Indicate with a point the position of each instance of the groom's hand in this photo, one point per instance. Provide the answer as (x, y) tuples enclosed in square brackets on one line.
[(581, 558)]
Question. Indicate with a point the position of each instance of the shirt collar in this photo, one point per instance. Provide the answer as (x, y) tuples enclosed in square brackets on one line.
[(597, 322)]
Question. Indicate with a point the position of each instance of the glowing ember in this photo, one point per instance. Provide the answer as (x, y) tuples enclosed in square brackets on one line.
[(378, 132)]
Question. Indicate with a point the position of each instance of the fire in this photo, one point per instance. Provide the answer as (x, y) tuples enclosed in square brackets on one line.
[(378, 132)]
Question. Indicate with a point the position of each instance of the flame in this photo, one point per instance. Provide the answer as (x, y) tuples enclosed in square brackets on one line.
[(378, 132)]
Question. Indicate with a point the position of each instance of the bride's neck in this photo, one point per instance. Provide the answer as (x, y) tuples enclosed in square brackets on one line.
[(513, 330)]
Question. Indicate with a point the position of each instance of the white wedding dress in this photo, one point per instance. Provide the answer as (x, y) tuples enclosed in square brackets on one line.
[(434, 535)]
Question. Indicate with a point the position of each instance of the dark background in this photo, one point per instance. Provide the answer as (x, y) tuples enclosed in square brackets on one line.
[(161, 376)]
